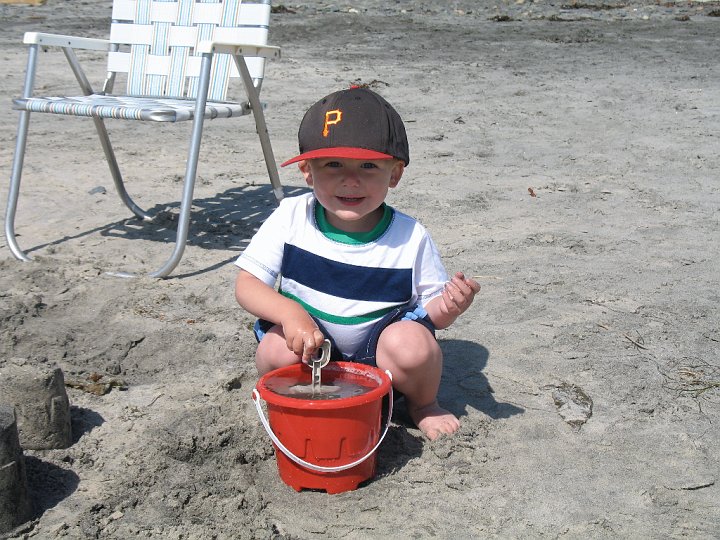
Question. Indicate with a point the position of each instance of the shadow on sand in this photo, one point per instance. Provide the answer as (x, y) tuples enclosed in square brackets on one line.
[(224, 221), (464, 385)]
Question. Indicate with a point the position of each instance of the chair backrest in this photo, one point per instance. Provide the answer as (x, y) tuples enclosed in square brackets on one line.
[(154, 43)]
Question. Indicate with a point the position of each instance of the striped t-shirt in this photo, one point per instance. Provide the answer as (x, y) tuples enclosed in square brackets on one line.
[(347, 280)]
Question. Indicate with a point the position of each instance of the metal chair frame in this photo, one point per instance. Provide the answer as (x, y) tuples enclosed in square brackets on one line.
[(158, 97)]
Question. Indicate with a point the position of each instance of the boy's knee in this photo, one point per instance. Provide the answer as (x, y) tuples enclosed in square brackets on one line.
[(408, 344)]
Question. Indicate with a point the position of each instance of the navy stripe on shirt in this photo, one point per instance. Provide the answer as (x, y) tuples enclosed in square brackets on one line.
[(346, 280)]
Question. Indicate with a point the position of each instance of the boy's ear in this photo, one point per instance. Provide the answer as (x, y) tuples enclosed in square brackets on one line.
[(396, 173), (304, 167)]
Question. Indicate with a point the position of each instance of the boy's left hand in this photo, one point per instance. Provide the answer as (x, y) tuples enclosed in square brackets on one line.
[(458, 294)]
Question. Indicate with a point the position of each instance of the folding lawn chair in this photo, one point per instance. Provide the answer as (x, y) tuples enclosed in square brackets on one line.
[(177, 57)]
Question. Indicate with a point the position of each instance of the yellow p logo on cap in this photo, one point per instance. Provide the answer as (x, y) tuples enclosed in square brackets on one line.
[(331, 118)]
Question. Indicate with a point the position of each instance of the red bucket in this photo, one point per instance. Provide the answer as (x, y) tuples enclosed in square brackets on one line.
[(326, 444)]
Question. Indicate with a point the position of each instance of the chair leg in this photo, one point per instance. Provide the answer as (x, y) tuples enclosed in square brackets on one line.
[(19, 158), (268, 152), (261, 127), (17, 167), (185, 207), (18, 161), (104, 139), (187, 199), (115, 171), (190, 174)]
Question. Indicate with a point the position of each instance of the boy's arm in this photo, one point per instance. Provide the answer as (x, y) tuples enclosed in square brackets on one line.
[(456, 297), (301, 333)]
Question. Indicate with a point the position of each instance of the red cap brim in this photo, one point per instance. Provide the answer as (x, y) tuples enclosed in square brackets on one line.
[(339, 152)]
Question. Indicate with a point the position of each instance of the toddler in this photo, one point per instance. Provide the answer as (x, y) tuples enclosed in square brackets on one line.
[(351, 268)]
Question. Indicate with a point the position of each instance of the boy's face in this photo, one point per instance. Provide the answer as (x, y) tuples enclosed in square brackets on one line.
[(352, 190)]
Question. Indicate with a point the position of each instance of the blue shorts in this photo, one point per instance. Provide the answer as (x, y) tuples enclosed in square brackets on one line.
[(366, 353)]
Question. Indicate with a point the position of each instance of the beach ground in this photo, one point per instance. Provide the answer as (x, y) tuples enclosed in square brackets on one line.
[(564, 154)]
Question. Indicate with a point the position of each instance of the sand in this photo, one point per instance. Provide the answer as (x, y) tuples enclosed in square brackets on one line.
[(567, 155)]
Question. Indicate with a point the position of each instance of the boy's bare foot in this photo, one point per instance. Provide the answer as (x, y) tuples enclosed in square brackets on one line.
[(434, 421)]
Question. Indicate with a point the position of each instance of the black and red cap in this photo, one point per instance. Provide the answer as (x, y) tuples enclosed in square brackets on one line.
[(355, 123)]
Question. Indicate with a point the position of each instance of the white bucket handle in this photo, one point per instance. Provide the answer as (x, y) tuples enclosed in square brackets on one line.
[(312, 466)]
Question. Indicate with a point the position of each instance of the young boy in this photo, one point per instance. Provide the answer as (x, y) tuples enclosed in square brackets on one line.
[(352, 269)]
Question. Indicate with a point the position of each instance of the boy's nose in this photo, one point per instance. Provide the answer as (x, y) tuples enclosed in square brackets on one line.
[(351, 178)]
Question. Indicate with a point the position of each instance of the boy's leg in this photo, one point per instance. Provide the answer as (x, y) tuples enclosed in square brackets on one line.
[(411, 353), (272, 352)]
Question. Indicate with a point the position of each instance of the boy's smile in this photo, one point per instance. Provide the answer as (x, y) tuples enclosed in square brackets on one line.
[(351, 201), (352, 190)]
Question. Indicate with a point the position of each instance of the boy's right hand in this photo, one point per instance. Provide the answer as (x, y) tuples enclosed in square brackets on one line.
[(302, 335)]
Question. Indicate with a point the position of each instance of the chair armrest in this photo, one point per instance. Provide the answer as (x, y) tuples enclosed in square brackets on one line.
[(242, 49), (58, 40)]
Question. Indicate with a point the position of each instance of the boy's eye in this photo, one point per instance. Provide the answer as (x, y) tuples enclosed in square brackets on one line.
[(368, 165), (333, 164)]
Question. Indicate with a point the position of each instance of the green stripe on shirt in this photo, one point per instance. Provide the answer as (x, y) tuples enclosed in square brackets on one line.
[(352, 238), (337, 319)]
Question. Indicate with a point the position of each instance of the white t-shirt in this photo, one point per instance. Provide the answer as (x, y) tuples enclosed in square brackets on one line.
[(346, 281)]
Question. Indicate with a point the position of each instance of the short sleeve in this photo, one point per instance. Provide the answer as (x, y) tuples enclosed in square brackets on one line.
[(263, 255), (430, 273)]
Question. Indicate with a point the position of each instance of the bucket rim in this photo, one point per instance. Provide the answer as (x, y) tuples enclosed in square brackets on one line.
[(376, 374)]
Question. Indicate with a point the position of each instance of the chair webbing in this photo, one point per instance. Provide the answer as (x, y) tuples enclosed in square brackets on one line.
[(129, 108), (157, 41)]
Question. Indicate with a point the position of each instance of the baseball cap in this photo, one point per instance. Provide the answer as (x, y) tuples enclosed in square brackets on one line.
[(355, 123)]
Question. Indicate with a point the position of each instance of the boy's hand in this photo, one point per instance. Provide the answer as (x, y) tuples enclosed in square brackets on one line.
[(458, 294), (302, 335)]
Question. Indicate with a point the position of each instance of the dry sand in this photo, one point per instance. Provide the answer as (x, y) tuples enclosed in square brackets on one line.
[(605, 281)]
